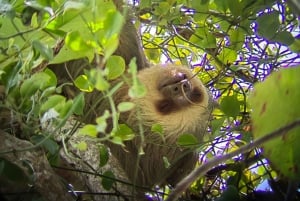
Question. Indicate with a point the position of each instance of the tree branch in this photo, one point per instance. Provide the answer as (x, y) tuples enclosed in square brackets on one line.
[(186, 182), (46, 182)]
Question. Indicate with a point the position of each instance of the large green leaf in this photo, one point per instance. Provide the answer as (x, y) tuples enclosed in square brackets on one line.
[(268, 24), (108, 180), (115, 67), (275, 103)]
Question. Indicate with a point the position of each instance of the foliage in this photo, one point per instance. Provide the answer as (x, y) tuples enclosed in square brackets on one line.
[(230, 44)]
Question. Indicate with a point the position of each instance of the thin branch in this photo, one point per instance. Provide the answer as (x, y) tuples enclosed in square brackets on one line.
[(186, 182)]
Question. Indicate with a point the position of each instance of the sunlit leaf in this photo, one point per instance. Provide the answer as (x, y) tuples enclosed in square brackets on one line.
[(76, 42), (102, 122), (89, 129), (157, 128), (137, 90), (228, 56), (82, 146), (82, 82), (125, 106)]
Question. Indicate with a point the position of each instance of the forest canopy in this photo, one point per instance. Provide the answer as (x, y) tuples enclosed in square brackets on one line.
[(247, 53)]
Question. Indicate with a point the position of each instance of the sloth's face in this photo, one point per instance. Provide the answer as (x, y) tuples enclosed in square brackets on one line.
[(179, 90), (175, 99)]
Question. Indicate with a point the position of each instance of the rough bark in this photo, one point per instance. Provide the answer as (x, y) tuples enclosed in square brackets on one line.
[(45, 181)]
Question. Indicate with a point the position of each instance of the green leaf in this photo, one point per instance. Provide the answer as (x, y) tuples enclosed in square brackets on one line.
[(137, 90), (268, 24), (65, 109), (51, 102), (167, 164), (102, 122), (50, 145), (10, 75), (230, 105), (108, 180), (113, 23), (124, 133), (284, 37), (89, 129), (275, 103), (82, 146), (110, 46), (117, 140), (67, 54), (104, 155), (115, 67), (295, 47), (33, 84), (125, 106), (75, 42), (52, 81), (153, 54), (82, 82), (71, 5), (187, 140), (78, 104), (157, 128), (100, 82), (228, 56), (43, 49)]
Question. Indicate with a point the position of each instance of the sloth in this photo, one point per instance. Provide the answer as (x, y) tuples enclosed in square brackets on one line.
[(180, 104)]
